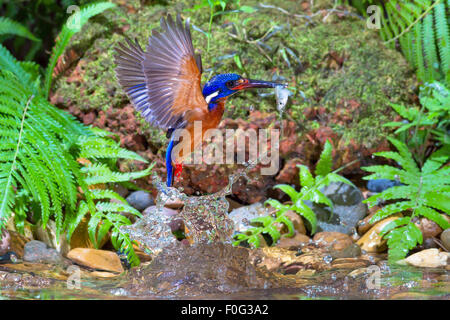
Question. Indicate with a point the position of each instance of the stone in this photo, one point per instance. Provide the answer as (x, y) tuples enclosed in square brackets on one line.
[(429, 228), (96, 259), (5, 240), (48, 236), (175, 204), (445, 239), (140, 200), (299, 226), (349, 263), (429, 258), (333, 240), (364, 225), (352, 251), (293, 243), (243, 215), (17, 243), (379, 185), (348, 208), (38, 252), (371, 240)]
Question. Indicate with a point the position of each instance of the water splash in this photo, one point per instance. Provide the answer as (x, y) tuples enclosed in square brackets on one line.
[(205, 217)]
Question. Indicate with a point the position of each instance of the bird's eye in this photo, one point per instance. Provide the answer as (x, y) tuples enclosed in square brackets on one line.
[(231, 84)]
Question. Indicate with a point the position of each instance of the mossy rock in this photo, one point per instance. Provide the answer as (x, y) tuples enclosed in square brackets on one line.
[(328, 64)]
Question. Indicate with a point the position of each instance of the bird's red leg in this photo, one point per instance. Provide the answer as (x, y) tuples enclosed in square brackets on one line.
[(178, 170)]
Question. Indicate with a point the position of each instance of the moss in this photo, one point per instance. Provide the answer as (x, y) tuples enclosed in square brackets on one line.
[(370, 73)]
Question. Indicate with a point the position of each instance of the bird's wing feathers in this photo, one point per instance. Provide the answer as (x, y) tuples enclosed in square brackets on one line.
[(164, 82)]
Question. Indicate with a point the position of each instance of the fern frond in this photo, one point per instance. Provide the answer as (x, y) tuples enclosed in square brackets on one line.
[(442, 35), (8, 26), (418, 197), (71, 27)]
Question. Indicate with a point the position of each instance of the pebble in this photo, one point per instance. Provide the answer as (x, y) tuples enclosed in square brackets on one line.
[(348, 208), (333, 240), (299, 226), (96, 259), (379, 185), (371, 240), (445, 238), (38, 252), (140, 200), (243, 215), (4, 242), (293, 243), (429, 228), (429, 258)]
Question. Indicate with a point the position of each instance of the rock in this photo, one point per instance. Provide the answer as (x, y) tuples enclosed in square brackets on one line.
[(429, 228), (299, 226), (140, 200), (17, 243), (96, 259), (379, 185), (5, 240), (48, 236), (38, 252), (333, 240), (175, 204), (243, 215), (349, 263), (352, 251), (371, 240), (445, 238), (121, 190), (364, 225), (348, 208), (232, 204), (294, 243), (8, 257), (429, 258)]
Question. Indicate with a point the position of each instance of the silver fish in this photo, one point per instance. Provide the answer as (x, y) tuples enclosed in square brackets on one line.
[(282, 94)]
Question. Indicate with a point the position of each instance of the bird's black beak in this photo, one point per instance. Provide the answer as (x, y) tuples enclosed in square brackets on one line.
[(250, 83)]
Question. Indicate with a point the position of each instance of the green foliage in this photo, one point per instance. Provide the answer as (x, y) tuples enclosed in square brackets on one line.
[(310, 191), (8, 26), (42, 148), (39, 146), (430, 121), (221, 4), (70, 28), (422, 30), (425, 192)]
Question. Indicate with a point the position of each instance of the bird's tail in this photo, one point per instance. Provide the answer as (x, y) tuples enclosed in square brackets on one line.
[(169, 166)]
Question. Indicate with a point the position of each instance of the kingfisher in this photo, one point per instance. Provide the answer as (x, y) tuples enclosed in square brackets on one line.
[(164, 84)]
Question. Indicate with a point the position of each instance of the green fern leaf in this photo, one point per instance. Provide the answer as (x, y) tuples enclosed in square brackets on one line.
[(326, 160), (70, 28), (8, 26)]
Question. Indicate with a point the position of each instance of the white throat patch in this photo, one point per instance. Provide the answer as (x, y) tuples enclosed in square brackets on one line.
[(212, 95)]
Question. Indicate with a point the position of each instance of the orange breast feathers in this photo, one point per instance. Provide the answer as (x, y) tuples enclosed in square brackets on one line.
[(188, 143)]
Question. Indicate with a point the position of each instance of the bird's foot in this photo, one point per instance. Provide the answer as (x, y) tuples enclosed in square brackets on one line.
[(178, 170)]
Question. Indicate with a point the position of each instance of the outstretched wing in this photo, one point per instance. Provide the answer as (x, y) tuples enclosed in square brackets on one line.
[(164, 82)]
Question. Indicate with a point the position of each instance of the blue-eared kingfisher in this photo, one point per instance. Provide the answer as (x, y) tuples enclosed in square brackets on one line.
[(164, 84)]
